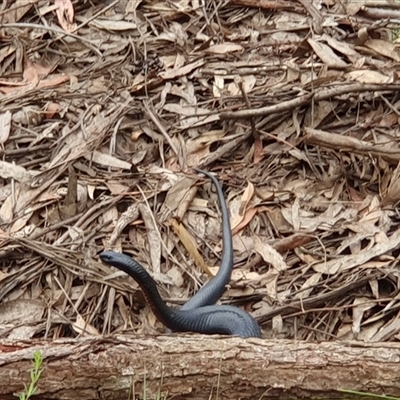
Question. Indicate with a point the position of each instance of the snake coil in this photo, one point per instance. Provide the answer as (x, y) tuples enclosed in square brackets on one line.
[(199, 314)]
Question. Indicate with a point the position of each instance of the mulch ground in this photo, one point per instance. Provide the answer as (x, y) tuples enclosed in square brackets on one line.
[(106, 106)]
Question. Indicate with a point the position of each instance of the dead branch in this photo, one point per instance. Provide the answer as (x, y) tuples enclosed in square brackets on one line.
[(277, 108), (318, 95), (342, 143), (194, 366)]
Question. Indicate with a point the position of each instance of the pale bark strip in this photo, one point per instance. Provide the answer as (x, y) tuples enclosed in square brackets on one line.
[(189, 367)]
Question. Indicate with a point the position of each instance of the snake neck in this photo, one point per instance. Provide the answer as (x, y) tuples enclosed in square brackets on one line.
[(144, 280)]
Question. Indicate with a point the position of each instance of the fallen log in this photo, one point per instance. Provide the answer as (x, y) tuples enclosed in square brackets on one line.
[(199, 367)]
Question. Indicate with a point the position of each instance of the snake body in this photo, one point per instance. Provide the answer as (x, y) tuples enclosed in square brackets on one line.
[(213, 289), (199, 314), (212, 319)]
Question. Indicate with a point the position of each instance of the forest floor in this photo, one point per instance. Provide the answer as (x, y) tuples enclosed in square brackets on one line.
[(105, 107)]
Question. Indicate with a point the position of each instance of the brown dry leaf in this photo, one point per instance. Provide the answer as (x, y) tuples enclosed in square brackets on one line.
[(5, 126), (261, 308), (392, 195), (91, 291), (53, 80), (293, 242), (376, 265), (16, 172), (348, 262), (175, 274), (369, 331), (3, 275), (224, 48), (248, 83), (244, 290), (317, 114), (17, 10), (258, 150), (182, 71), (384, 47), (140, 82), (149, 320), (78, 143), (277, 324), (34, 72), (368, 76), (179, 197), (190, 245), (188, 100), (132, 5), (344, 332), (354, 6), (112, 215), (153, 237), (7, 208), (10, 212), (327, 55), (346, 49), (124, 310), (116, 188), (293, 72), (6, 51), (51, 109), (302, 220), (242, 244), (270, 282), (244, 202), (107, 160), (374, 285), (388, 331), (82, 328), (65, 14), (22, 88), (361, 304), (8, 90), (269, 254), (29, 117), (174, 33), (240, 275), (27, 201), (218, 86), (200, 117), (246, 219), (21, 222), (198, 148), (128, 218), (110, 25), (388, 120), (308, 286)]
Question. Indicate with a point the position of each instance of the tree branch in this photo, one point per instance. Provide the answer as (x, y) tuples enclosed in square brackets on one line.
[(194, 366)]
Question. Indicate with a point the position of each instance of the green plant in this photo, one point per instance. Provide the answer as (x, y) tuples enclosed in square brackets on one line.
[(35, 373)]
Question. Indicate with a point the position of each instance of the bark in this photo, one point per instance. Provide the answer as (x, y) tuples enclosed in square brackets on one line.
[(199, 367)]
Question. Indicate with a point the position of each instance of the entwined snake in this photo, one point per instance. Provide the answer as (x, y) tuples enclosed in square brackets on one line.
[(200, 314)]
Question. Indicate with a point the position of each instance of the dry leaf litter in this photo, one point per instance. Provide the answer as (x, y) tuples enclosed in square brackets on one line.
[(106, 106)]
